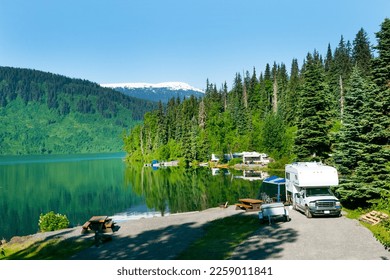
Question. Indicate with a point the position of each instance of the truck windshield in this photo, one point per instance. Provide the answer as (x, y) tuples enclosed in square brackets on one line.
[(318, 191)]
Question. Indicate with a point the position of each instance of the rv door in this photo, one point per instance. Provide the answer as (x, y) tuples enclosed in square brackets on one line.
[(300, 199)]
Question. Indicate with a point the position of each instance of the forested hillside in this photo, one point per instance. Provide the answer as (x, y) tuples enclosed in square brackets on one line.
[(44, 113), (333, 108)]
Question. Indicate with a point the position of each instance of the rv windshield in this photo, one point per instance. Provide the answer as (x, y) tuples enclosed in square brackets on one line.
[(318, 192)]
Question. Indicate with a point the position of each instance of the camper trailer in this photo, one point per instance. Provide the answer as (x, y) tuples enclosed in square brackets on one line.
[(308, 187)]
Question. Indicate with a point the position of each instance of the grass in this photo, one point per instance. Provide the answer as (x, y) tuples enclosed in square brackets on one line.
[(380, 231), (55, 249), (221, 238)]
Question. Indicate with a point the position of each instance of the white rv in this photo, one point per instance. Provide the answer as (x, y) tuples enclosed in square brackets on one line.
[(308, 185)]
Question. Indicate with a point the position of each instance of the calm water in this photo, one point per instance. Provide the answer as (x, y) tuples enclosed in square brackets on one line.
[(81, 186)]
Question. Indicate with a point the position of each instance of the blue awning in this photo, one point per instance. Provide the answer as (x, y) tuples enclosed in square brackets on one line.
[(277, 189), (275, 180)]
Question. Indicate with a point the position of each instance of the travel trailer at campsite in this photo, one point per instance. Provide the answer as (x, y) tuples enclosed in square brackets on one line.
[(308, 185)]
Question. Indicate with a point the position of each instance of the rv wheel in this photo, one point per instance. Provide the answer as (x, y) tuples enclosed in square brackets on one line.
[(307, 212)]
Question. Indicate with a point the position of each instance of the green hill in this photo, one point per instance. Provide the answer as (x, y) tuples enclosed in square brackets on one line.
[(45, 113)]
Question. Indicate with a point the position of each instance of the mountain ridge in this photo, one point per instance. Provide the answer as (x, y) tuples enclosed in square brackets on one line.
[(157, 92), (170, 85)]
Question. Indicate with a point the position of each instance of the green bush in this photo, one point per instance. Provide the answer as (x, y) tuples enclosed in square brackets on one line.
[(52, 221), (382, 232)]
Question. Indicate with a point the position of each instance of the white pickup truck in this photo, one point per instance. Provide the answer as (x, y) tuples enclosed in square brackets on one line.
[(308, 185)]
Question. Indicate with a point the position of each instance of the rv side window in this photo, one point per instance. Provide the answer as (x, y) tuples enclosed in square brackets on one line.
[(288, 175)]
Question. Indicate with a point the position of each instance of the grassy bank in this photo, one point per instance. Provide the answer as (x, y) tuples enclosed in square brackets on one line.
[(54, 249), (221, 238), (381, 231)]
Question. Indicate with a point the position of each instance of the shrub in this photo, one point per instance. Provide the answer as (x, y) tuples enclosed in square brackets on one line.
[(382, 233), (52, 221)]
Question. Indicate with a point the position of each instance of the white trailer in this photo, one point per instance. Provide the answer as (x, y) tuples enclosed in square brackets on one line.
[(308, 185), (272, 210)]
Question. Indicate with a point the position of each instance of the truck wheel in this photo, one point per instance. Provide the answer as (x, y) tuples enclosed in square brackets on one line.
[(307, 212)]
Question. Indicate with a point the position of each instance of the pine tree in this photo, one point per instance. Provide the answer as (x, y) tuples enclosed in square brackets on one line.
[(374, 170), (282, 79), (237, 104), (349, 144), (339, 74), (273, 136), (381, 69), (370, 180), (291, 100), (253, 92), (329, 59), (312, 141), (266, 91), (361, 52)]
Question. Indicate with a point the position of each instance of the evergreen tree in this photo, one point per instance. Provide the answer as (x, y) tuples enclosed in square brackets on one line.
[(291, 99), (237, 108), (273, 136), (349, 144), (253, 92), (370, 179), (339, 74), (361, 52), (329, 59), (381, 70), (312, 141), (374, 168), (266, 91), (282, 84)]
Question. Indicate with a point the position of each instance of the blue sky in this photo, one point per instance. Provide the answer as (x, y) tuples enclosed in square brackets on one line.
[(113, 41)]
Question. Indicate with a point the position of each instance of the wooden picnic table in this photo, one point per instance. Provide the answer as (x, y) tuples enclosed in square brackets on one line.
[(98, 223), (249, 204)]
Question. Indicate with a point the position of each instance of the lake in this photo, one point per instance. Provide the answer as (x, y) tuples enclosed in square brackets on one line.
[(81, 186)]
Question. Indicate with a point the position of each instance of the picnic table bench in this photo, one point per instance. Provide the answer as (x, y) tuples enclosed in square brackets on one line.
[(249, 204), (98, 224)]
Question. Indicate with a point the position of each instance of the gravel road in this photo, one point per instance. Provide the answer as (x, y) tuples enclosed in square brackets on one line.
[(320, 238)]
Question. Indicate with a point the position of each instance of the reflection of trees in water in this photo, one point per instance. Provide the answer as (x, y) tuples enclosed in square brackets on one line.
[(77, 186), (184, 190)]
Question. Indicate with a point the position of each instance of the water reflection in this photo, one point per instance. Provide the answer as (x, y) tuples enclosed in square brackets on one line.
[(252, 175), (186, 190)]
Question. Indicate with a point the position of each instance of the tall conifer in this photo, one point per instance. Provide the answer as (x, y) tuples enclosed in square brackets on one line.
[(312, 141), (361, 52)]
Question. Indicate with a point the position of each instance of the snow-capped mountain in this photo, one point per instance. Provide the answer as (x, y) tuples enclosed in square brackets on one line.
[(157, 92)]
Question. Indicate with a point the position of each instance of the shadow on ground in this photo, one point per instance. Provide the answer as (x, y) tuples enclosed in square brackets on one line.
[(53, 246), (157, 244), (266, 243), (169, 242)]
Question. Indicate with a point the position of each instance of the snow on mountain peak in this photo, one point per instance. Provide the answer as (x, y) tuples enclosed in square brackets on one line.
[(170, 85)]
